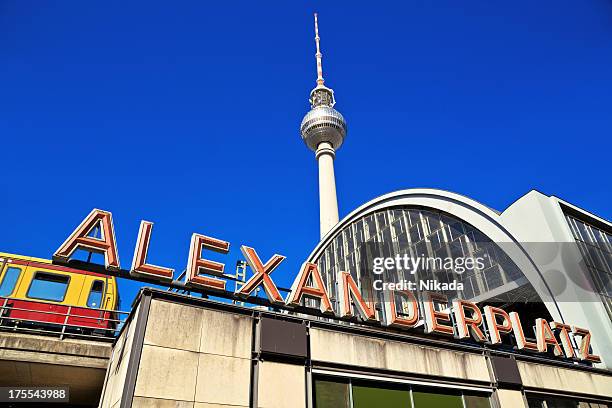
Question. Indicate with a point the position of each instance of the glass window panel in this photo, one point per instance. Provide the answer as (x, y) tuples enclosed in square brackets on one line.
[(602, 242), (436, 399), (332, 259), (331, 394), (370, 226), (456, 249), (560, 403), (349, 239), (323, 263), (605, 282), (468, 289), (608, 259), (609, 239), (398, 215), (597, 261), (382, 220), (359, 236), (48, 286), (370, 397), (341, 265), (476, 401), (9, 281), (535, 402), (454, 228), (340, 246), (351, 265), (433, 221), (436, 240), (95, 295), (413, 217), (402, 242), (493, 277), (415, 233), (583, 231), (386, 236)]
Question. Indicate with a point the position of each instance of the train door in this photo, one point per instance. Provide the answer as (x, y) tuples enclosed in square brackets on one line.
[(110, 295), (90, 301), (111, 299)]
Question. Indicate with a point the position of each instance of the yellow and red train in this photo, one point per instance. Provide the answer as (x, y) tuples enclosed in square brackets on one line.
[(35, 292)]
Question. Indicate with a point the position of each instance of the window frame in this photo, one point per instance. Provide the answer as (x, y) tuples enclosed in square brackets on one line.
[(36, 273), (102, 294), (411, 384), (8, 266)]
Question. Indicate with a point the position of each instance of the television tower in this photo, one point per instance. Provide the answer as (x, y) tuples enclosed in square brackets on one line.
[(323, 130)]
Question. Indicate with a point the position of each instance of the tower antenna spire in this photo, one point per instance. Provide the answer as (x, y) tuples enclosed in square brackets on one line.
[(319, 56)]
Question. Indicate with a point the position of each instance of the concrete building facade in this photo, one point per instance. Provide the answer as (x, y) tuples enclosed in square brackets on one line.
[(180, 351)]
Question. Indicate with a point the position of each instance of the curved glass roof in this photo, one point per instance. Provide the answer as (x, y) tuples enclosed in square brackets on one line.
[(425, 233)]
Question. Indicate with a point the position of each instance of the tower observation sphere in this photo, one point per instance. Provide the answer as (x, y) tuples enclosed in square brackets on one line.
[(323, 123), (323, 130)]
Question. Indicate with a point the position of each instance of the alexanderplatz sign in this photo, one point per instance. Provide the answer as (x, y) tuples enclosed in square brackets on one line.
[(464, 320)]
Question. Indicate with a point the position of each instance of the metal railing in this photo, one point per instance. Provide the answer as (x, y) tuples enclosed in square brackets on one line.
[(104, 327)]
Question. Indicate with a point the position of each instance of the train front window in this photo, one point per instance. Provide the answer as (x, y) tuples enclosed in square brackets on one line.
[(9, 281), (48, 286), (95, 295)]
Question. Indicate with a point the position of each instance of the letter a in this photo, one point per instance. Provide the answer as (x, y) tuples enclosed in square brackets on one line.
[(80, 239)]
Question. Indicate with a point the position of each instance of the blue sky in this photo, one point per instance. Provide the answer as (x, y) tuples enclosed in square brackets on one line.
[(188, 114)]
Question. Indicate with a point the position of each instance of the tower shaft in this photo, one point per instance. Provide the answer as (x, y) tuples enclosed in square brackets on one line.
[(323, 130), (328, 201)]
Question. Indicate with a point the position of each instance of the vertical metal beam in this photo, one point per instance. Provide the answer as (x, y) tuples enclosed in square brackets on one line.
[(136, 350), (309, 381), (253, 397)]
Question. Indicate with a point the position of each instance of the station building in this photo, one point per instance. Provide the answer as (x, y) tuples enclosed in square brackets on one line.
[(546, 259), (181, 351)]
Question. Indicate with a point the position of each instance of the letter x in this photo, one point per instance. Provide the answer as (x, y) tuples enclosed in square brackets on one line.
[(261, 275)]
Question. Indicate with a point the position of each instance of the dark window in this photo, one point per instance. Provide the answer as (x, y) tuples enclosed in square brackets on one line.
[(557, 402), (476, 401), (331, 394), (95, 295), (48, 286), (535, 403), (9, 281)]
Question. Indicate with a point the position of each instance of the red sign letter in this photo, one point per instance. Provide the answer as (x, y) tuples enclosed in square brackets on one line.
[(348, 289), (519, 334), (466, 324), (197, 267), (545, 337), (564, 330), (585, 345), (318, 291), (495, 328), (433, 317), (261, 276), (80, 239), (139, 263), (392, 318)]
